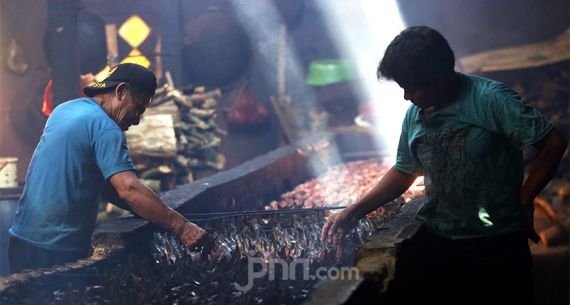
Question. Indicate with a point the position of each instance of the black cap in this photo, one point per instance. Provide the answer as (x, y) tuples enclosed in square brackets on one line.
[(130, 73)]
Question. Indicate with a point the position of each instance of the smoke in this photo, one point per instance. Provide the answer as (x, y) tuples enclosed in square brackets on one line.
[(364, 29), (269, 38)]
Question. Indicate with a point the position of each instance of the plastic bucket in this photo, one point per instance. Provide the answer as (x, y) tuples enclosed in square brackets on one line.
[(8, 172)]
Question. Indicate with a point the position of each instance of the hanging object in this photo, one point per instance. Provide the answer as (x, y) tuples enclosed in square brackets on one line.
[(91, 42), (247, 111), (15, 60), (216, 51)]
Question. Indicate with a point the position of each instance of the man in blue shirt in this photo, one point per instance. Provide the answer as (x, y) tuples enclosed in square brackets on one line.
[(82, 149), (465, 134)]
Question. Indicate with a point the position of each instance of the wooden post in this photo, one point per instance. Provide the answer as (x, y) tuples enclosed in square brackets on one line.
[(171, 40), (282, 102), (112, 45), (65, 71)]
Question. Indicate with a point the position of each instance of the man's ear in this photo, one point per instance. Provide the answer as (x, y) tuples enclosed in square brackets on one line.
[(121, 90)]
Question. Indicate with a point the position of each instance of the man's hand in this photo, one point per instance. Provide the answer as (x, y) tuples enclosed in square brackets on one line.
[(146, 203), (338, 225), (192, 235), (392, 185)]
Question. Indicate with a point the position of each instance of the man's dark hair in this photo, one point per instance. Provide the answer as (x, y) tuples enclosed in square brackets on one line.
[(418, 56), (137, 92)]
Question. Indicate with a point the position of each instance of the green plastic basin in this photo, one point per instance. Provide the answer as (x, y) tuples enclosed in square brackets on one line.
[(329, 71)]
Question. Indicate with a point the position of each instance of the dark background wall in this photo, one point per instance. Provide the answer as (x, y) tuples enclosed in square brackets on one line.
[(475, 26), (21, 121)]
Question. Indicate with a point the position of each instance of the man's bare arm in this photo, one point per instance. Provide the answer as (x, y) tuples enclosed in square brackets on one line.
[(146, 203), (392, 185), (550, 151), (110, 195)]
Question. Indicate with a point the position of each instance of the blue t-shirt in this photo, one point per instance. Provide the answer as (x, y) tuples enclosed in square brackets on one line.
[(81, 146), (470, 153)]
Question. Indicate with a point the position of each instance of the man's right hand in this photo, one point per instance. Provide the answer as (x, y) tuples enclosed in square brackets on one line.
[(338, 225), (148, 205), (393, 184), (192, 235)]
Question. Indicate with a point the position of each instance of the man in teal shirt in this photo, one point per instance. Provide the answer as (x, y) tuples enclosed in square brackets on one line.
[(82, 149), (465, 134)]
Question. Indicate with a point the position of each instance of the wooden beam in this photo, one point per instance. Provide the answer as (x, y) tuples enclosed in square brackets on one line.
[(519, 57), (62, 30)]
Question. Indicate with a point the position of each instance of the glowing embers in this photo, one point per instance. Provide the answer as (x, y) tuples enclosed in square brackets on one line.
[(341, 185)]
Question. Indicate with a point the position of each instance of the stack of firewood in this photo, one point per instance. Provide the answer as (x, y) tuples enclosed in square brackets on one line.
[(189, 141)]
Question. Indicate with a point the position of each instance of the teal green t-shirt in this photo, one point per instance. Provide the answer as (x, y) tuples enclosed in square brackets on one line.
[(470, 153), (80, 147)]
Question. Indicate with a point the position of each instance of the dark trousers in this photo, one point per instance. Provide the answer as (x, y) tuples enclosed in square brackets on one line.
[(490, 270), (22, 255)]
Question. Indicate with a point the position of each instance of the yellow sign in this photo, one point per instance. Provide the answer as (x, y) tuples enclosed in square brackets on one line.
[(136, 57), (134, 31)]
